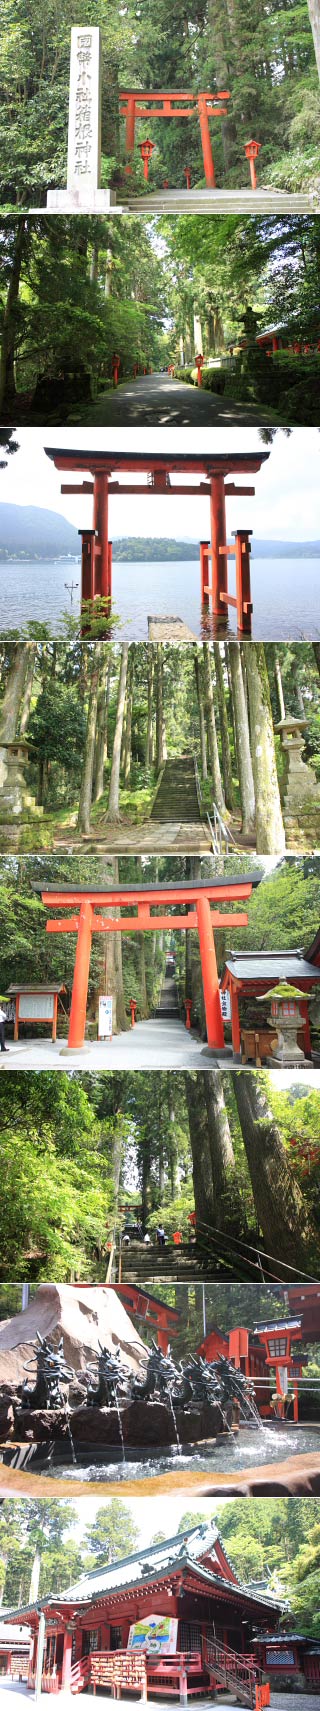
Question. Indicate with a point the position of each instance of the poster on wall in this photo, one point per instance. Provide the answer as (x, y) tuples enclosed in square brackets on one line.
[(105, 1017), (154, 1634), (36, 1006)]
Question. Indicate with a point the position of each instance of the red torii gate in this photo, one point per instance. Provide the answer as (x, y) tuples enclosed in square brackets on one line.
[(195, 898), (158, 468), (173, 104)]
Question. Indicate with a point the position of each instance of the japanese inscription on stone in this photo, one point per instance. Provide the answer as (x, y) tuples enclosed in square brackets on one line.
[(84, 111)]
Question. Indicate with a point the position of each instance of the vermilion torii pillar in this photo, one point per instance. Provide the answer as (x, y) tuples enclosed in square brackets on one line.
[(190, 475), (151, 904)]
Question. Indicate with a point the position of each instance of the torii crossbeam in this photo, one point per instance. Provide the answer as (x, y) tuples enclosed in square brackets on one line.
[(147, 911), (158, 470)]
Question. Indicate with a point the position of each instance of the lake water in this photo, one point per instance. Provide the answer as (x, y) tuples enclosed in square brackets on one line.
[(228, 1454), (285, 596)]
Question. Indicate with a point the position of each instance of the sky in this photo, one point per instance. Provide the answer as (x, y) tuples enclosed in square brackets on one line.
[(151, 1514), (286, 506)]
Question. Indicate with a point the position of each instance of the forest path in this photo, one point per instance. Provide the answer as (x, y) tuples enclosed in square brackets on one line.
[(152, 837), (176, 798), (155, 398)]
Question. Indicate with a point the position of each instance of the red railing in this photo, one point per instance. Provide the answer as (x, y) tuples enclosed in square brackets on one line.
[(233, 1670)]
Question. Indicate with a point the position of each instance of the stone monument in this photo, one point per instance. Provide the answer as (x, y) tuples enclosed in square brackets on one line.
[(83, 193)]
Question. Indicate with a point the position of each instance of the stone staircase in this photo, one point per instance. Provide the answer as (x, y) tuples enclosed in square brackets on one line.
[(154, 1265), (168, 1005), (176, 799)]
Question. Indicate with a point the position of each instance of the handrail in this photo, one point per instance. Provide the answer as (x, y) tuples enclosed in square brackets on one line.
[(234, 1669), (219, 833)]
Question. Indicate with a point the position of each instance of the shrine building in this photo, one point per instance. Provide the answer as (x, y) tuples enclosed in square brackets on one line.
[(170, 1619)]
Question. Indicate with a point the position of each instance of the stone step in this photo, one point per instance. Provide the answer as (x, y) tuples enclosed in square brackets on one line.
[(268, 201), (176, 797)]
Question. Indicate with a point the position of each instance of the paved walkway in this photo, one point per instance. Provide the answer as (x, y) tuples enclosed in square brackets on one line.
[(12, 1692), (155, 398), (156, 1044)]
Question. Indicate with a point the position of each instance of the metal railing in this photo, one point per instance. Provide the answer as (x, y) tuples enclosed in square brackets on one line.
[(232, 1669), (221, 836)]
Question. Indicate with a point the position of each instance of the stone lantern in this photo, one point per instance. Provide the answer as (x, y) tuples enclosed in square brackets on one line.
[(18, 807), (300, 788), (286, 1017)]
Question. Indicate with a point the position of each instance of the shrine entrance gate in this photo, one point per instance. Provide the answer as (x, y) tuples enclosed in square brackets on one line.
[(151, 904)]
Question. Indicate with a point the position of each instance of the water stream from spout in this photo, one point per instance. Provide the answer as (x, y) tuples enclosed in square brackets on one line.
[(176, 1433), (73, 1453), (115, 1392)]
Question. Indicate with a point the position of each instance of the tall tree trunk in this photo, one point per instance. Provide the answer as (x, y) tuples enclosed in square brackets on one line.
[(9, 315), (221, 1148), (224, 728), (161, 746), (270, 833), (113, 807), (101, 744), (149, 737), (202, 726), (278, 678), (204, 1195), (212, 734), (13, 696), (246, 784), (27, 688), (113, 972), (283, 1218), (128, 723), (316, 650), (314, 15), (83, 823)]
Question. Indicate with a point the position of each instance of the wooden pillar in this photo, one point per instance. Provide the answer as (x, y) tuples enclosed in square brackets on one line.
[(55, 1016), (243, 582), (206, 143), (304, 1007), (163, 1340), (183, 1685), (16, 1017), (100, 523), (130, 130), (214, 1021), (87, 539), (218, 542), (295, 1401), (81, 977), (235, 1020), (67, 1660), (110, 571), (204, 572)]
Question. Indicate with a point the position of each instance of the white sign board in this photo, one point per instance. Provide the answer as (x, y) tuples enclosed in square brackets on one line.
[(105, 1017), (36, 1006), (84, 112), (225, 1001)]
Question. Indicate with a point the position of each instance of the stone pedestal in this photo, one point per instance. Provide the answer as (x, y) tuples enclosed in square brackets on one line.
[(18, 808), (300, 790)]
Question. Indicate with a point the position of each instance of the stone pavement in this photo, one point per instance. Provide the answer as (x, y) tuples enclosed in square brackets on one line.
[(11, 1694), (156, 1044)]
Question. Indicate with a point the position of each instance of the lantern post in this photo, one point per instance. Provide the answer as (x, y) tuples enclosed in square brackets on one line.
[(252, 150), (146, 150)]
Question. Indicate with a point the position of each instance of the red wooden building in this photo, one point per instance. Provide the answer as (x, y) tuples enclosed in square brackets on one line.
[(290, 1660), (188, 1579), (248, 975)]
